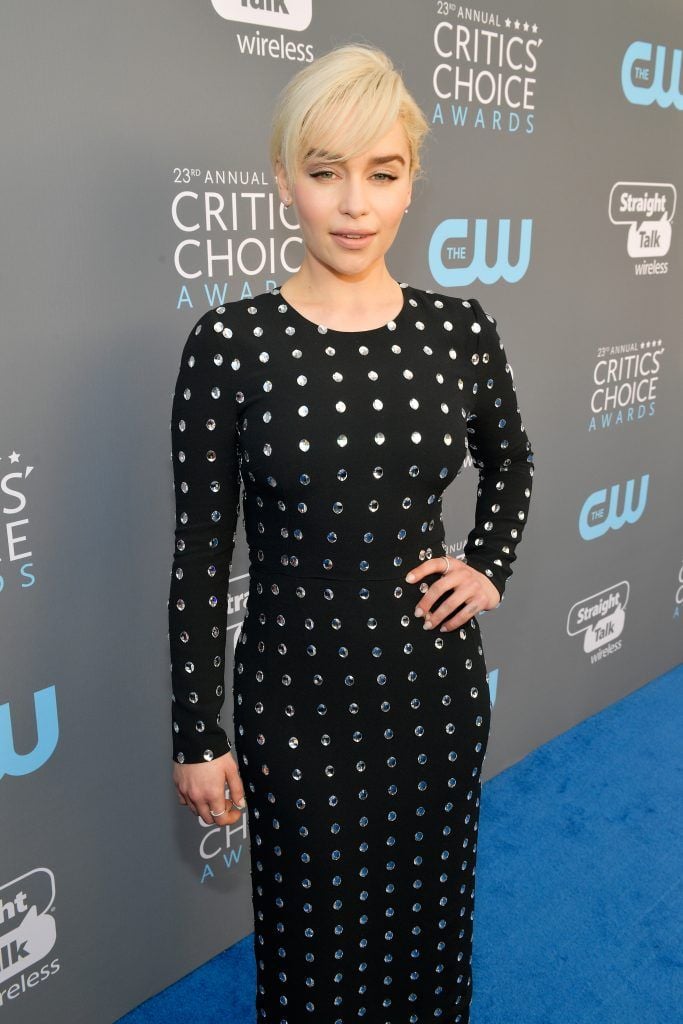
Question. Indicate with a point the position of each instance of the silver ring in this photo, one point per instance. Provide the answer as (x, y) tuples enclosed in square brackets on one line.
[(217, 814), (448, 565)]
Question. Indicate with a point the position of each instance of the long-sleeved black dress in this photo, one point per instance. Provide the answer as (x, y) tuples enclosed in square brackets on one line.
[(359, 735)]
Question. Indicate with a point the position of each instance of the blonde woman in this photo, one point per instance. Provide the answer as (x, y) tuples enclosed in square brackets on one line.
[(342, 401)]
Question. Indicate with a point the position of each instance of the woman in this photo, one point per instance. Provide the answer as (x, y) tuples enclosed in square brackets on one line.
[(343, 401)]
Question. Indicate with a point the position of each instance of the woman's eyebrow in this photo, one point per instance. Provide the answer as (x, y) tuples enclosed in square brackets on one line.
[(322, 154), (387, 159)]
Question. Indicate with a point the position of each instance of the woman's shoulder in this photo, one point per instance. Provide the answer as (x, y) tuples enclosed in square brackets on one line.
[(229, 319), (467, 309), (247, 306)]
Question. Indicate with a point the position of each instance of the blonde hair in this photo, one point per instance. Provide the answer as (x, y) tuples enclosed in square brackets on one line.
[(342, 103)]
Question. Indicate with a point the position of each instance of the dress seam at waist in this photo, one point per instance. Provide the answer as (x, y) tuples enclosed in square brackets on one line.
[(335, 579)]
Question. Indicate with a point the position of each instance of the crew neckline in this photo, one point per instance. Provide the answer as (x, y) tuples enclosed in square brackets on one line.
[(387, 328)]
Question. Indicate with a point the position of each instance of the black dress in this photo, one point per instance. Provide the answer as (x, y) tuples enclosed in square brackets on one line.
[(359, 734)]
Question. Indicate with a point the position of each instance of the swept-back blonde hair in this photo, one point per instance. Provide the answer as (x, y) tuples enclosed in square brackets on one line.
[(342, 103)]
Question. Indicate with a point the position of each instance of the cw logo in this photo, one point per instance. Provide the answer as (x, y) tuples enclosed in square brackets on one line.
[(47, 732), (597, 516), (448, 244), (642, 78)]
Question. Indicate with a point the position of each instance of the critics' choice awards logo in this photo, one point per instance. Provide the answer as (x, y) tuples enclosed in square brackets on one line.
[(652, 75), (27, 932), (458, 251), (231, 223), (600, 621), (220, 846), (611, 509), (625, 379), (485, 75), (15, 555), (647, 210)]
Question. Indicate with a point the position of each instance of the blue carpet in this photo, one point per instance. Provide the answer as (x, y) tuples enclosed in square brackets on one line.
[(579, 897)]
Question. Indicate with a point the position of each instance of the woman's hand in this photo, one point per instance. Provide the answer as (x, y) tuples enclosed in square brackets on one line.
[(469, 587), (202, 788)]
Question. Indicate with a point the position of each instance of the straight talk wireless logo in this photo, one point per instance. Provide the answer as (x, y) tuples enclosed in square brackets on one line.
[(678, 595), (285, 15), (28, 933), (599, 621), (647, 210)]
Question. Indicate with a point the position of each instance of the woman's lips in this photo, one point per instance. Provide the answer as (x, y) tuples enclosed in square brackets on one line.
[(352, 243)]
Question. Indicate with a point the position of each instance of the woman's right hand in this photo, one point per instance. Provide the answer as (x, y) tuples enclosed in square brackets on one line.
[(202, 788)]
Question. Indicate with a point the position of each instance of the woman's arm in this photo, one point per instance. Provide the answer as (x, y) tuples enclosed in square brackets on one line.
[(502, 452), (206, 483)]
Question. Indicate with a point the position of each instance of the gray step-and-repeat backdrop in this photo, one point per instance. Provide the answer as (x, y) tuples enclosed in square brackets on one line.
[(136, 195)]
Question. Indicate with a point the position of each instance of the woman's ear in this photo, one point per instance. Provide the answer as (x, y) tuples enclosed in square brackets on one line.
[(282, 183)]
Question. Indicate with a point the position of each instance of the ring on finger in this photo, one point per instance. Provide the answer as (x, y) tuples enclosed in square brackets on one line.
[(217, 814)]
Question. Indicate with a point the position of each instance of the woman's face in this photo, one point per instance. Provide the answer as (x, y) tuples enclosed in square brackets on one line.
[(366, 195)]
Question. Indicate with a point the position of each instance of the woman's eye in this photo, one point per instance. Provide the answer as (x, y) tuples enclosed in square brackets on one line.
[(380, 174)]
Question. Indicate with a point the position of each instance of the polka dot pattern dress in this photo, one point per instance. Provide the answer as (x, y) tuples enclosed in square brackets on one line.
[(359, 735)]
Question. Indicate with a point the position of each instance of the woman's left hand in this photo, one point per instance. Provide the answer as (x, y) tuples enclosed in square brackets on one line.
[(469, 587)]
